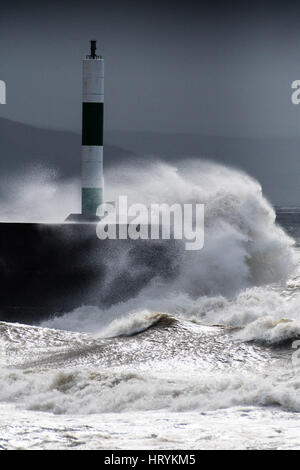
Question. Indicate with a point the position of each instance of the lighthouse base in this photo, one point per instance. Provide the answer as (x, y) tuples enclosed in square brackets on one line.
[(83, 219)]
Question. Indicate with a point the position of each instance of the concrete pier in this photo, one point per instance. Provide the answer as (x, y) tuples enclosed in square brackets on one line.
[(52, 269)]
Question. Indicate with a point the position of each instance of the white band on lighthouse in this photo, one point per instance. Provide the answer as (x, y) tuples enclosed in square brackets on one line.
[(93, 81), (92, 134)]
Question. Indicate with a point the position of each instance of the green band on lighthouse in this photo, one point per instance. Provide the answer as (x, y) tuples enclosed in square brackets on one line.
[(92, 124), (91, 200)]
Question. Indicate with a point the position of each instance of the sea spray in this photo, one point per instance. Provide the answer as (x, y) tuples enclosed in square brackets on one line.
[(244, 250), (244, 253)]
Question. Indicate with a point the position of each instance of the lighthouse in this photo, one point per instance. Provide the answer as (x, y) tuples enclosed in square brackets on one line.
[(92, 183)]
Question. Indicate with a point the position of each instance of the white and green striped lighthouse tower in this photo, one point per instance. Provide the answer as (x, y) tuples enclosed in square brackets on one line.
[(92, 137), (92, 133)]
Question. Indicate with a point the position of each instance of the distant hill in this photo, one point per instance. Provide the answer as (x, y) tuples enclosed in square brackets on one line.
[(274, 162), (22, 145)]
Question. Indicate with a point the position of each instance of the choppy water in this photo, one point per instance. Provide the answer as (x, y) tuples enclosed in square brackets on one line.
[(200, 361)]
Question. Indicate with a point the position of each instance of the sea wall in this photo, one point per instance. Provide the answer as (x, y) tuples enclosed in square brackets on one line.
[(50, 269)]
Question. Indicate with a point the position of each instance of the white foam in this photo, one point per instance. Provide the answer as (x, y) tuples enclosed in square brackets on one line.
[(90, 391)]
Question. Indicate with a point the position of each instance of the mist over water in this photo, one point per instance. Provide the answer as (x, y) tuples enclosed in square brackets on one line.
[(38, 196)]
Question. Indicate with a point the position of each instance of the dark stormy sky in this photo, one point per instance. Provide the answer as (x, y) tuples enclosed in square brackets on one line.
[(209, 68)]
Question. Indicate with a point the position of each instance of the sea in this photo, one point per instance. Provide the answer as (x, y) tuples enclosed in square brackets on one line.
[(205, 359)]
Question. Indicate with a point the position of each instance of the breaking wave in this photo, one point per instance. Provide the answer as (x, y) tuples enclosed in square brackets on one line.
[(243, 245), (235, 280)]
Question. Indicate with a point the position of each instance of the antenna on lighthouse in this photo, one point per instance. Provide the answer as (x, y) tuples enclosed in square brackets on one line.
[(93, 48)]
